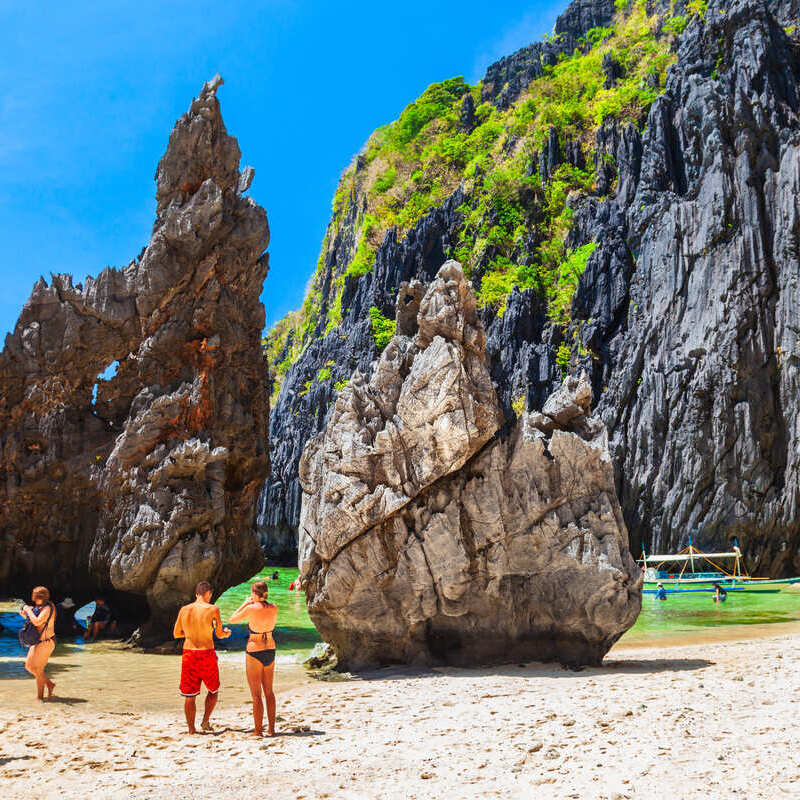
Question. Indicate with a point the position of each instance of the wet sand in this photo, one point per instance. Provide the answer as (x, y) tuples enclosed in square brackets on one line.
[(696, 721), (108, 676)]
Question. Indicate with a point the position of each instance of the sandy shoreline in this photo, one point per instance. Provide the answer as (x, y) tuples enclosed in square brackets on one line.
[(682, 722)]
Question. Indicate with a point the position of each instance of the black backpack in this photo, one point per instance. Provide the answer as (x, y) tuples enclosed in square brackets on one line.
[(30, 634)]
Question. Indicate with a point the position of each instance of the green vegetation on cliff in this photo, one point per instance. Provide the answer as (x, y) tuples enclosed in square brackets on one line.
[(382, 328), (513, 224)]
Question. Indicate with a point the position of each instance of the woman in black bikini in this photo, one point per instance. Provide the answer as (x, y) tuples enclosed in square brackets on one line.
[(260, 657)]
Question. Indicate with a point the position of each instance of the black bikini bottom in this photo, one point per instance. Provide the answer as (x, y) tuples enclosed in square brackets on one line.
[(266, 657)]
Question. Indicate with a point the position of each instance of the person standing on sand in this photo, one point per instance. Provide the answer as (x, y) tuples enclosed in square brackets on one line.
[(259, 661), (42, 615), (196, 624)]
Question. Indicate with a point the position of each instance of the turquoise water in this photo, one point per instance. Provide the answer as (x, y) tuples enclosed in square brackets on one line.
[(695, 616), (295, 634), (687, 618), (690, 618)]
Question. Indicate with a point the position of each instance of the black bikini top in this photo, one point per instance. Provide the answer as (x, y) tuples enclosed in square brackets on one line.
[(260, 633)]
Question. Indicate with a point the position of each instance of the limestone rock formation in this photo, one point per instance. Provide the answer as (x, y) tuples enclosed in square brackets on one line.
[(426, 539), (688, 305), (301, 412), (693, 302), (140, 484)]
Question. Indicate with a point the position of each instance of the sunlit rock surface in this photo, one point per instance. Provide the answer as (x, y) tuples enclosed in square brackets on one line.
[(424, 538), (143, 484)]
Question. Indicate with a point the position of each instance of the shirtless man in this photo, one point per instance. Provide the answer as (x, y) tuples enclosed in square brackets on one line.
[(196, 625)]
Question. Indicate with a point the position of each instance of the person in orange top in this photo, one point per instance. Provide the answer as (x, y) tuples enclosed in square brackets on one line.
[(42, 615), (196, 624)]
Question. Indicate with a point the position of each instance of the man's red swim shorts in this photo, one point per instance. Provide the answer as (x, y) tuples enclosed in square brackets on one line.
[(197, 666)]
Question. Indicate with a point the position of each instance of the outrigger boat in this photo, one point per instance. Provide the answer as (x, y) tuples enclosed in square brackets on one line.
[(684, 577)]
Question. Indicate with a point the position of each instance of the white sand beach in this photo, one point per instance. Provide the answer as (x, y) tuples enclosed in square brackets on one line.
[(697, 721)]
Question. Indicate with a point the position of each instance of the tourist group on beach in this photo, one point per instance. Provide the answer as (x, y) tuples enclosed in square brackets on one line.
[(197, 624)]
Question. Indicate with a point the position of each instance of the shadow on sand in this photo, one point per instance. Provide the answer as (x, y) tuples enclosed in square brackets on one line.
[(14, 669), (292, 732), (66, 701), (537, 670), (298, 732), (647, 666), (8, 759)]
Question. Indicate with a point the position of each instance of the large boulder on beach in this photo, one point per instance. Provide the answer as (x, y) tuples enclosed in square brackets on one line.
[(139, 483), (429, 535)]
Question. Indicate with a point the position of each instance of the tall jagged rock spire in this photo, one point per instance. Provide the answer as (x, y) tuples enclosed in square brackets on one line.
[(200, 149), (150, 485)]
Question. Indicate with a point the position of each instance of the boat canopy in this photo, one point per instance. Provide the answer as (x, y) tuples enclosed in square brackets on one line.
[(692, 556)]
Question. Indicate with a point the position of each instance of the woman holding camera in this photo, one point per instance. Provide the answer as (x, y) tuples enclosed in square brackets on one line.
[(41, 638)]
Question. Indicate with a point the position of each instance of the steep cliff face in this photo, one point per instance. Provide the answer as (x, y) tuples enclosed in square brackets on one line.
[(425, 539), (141, 484), (702, 378), (634, 216), (473, 172)]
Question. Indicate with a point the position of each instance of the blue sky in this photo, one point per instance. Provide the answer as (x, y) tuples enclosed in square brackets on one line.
[(89, 93)]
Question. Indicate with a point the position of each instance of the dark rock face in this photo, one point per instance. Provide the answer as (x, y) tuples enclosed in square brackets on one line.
[(521, 352), (581, 16), (613, 70), (466, 120), (688, 304), (151, 485), (550, 157), (507, 78), (422, 543), (299, 414), (702, 370)]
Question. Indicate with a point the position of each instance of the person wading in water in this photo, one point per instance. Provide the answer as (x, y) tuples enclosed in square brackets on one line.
[(196, 624), (259, 660), (42, 616)]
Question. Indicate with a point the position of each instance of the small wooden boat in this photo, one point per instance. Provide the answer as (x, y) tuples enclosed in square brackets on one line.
[(688, 571)]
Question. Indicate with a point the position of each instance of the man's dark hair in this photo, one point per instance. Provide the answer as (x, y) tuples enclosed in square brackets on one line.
[(202, 588)]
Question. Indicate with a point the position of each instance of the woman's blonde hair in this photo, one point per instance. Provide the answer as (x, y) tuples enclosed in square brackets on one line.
[(41, 593), (260, 589)]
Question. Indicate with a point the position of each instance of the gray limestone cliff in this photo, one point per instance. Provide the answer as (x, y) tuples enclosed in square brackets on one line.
[(685, 318), (693, 296), (140, 484), (426, 538)]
